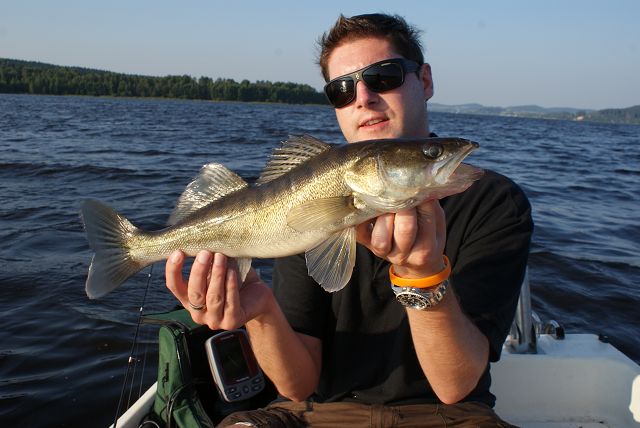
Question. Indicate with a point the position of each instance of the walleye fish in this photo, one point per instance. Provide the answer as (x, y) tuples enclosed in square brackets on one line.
[(309, 198)]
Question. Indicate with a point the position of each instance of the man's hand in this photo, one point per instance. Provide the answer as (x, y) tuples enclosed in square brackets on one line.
[(291, 360), (214, 282), (412, 240)]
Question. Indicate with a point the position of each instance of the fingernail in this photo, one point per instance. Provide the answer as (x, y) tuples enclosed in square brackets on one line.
[(203, 257), (175, 257), (218, 259)]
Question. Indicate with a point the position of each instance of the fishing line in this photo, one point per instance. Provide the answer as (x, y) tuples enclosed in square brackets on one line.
[(132, 361), (144, 365)]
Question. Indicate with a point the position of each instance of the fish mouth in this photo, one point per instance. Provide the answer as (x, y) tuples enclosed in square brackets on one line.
[(466, 173), (448, 170)]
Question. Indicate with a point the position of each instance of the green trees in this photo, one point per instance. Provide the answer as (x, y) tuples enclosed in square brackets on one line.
[(37, 78)]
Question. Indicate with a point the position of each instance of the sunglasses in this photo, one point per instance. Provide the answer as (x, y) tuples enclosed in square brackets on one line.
[(380, 76)]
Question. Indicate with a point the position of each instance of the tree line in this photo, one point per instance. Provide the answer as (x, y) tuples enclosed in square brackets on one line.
[(28, 77)]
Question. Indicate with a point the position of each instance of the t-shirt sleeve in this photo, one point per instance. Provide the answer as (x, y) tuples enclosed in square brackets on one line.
[(303, 301), (490, 254)]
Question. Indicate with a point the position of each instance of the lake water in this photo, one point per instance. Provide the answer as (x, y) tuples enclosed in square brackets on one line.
[(63, 356)]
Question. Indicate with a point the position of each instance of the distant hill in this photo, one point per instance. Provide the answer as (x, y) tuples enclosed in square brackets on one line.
[(616, 115), (630, 115)]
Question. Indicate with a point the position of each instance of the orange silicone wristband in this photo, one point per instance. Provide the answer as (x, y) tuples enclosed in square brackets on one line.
[(426, 282)]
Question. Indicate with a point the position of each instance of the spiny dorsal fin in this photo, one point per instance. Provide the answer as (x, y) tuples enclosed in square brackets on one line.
[(212, 183), (293, 152)]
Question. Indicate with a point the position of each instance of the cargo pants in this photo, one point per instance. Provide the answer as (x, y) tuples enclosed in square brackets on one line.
[(345, 414)]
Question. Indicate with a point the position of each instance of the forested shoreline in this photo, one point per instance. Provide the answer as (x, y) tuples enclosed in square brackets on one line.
[(29, 77)]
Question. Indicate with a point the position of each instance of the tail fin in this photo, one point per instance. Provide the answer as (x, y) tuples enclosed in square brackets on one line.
[(107, 232)]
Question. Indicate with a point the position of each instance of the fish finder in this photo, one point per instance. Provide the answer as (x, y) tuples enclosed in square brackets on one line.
[(234, 367)]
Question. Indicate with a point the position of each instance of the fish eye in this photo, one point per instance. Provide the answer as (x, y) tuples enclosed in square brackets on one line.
[(432, 150)]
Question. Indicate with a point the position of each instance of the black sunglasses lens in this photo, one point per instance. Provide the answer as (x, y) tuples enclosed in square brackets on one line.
[(341, 92), (383, 77), (379, 77)]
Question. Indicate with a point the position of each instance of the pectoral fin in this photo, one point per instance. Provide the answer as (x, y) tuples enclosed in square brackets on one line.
[(331, 263), (320, 213)]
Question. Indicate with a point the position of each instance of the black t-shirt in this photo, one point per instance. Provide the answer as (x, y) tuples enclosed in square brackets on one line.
[(368, 354)]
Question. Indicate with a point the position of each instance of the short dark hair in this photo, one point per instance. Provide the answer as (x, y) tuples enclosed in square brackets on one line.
[(403, 37)]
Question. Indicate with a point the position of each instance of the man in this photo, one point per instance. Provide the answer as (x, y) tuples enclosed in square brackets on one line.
[(358, 356)]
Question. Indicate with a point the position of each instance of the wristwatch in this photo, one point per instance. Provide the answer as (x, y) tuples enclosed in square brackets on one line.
[(421, 299)]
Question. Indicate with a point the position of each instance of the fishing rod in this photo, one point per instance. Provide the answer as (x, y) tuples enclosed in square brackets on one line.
[(132, 361)]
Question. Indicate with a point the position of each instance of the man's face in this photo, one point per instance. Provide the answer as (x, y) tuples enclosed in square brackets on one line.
[(400, 112)]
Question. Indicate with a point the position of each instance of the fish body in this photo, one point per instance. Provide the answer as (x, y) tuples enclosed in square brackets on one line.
[(308, 199)]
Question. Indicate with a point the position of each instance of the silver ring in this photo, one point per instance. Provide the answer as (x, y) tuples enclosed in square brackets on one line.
[(196, 307)]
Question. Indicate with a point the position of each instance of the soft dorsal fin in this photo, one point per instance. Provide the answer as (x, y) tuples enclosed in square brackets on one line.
[(212, 183), (293, 152)]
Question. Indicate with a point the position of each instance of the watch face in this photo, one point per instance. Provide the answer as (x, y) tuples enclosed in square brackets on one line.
[(413, 300), (420, 299)]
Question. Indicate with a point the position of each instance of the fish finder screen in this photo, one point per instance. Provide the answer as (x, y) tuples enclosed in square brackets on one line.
[(234, 365)]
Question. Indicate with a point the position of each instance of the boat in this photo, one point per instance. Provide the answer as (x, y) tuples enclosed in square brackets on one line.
[(545, 379)]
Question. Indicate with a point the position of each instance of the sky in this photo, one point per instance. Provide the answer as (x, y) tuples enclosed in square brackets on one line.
[(551, 53)]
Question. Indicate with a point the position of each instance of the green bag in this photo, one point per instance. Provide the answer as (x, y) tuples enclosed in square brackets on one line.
[(185, 384), (186, 396)]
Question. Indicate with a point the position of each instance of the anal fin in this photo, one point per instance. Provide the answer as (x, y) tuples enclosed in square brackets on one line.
[(244, 264)]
